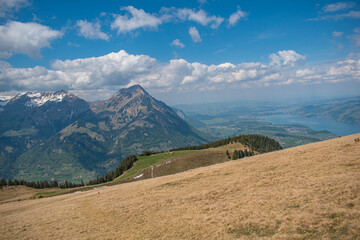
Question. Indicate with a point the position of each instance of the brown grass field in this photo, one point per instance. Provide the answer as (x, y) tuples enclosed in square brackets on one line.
[(306, 192), (18, 193)]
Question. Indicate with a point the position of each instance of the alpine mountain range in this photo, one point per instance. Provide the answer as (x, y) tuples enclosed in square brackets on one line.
[(60, 136)]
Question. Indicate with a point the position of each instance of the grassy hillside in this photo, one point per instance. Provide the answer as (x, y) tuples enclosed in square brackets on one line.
[(183, 159), (306, 192), (152, 165), (148, 161)]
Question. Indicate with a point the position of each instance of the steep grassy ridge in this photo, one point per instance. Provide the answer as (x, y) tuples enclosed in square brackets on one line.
[(163, 164), (148, 161), (307, 192)]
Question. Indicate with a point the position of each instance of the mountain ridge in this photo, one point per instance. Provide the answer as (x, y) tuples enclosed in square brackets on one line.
[(341, 110), (92, 137)]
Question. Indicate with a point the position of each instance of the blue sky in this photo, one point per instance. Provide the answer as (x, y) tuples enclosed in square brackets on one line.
[(181, 51)]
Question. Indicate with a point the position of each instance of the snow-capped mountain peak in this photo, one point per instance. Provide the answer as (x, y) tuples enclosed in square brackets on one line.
[(5, 98), (37, 99)]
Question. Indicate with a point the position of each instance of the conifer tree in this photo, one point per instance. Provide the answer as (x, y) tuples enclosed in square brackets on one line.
[(66, 184), (241, 154), (228, 154), (235, 155), (246, 153)]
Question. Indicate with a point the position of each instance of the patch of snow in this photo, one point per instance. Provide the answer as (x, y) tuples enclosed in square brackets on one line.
[(18, 96), (180, 114), (31, 103), (5, 98), (139, 176), (21, 94), (38, 99), (78, 192), (34, 94)]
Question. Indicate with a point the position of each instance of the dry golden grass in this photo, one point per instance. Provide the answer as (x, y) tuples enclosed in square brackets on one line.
[(18, 193), (230, 147), (307, 192)]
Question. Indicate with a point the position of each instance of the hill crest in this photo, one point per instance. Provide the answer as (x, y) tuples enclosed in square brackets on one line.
[(309, 191)]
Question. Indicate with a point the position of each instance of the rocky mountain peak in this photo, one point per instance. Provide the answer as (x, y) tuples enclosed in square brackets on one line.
[(132, 91), (135, 106), (132, 97)]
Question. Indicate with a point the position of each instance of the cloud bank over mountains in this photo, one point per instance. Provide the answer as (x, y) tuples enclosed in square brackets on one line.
[(119, 69), (197, 28)]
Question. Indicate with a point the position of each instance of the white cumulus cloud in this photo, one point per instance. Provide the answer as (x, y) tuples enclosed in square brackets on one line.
[(351, 14), (177, 43), (194, 34), (356, 36), (286, 58), (344, 70), (337, 11), (186, 14), (114, 69), (25, 38), (304, 72), (334, 7), (138, 19), (236, 16), (9, 6), (37, 78), (337, 34), (91, 30)]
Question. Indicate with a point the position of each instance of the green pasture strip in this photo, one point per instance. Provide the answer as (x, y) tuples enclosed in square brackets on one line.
[(147, 161)]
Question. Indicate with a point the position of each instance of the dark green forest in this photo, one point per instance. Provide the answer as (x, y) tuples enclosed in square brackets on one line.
[(256, 142)]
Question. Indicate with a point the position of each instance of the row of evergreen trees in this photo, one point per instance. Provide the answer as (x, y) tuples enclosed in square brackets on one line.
[(124, 165), (149, 153), (40, 184), (256, 142), (240, 154)]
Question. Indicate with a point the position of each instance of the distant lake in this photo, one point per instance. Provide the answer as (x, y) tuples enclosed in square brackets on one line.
[(338, 128)]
